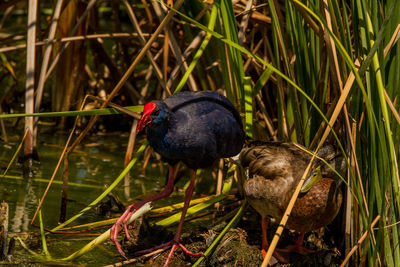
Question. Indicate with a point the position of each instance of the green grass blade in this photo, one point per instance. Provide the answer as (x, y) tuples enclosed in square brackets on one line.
[(43, 236), (248, 107), (104, 111)]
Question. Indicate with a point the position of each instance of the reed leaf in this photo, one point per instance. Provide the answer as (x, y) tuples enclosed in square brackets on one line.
[(103, 111)]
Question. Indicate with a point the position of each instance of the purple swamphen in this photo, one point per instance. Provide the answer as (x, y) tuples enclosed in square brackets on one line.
[(197, 128)]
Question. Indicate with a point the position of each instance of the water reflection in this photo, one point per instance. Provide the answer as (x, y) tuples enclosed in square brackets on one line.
[(26, 197)]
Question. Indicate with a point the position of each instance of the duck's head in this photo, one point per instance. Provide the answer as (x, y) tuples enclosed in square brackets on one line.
[(314, 177), (153, 113)]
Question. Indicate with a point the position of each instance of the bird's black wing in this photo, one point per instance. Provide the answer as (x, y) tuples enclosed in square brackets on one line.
[(184, 99)]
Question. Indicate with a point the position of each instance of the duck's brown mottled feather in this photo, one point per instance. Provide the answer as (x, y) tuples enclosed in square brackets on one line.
[(275, 169)]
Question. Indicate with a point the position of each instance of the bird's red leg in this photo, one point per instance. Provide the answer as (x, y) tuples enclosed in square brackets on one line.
[(176, 241), (265, 245), (132, 208)]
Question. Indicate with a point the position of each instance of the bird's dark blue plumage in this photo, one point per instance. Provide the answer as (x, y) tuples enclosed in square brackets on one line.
[(196, 128)]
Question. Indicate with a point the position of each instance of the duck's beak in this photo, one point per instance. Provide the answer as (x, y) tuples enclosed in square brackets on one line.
[(145, 119), (311, 180)]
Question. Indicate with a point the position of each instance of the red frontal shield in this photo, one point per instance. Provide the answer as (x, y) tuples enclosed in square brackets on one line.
[(145, 119)]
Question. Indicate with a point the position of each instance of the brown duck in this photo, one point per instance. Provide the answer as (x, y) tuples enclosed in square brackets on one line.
[(273, 172)]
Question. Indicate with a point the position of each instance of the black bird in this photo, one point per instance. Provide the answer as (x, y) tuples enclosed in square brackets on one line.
[(197, 128)]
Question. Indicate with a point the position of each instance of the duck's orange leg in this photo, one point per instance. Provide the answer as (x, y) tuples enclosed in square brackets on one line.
[(264, 243), (298, 246)]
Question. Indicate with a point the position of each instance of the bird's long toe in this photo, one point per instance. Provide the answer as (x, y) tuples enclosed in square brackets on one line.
[(122, 221), (162, 246), (114, 238), (128, 236), (188, 252), (174, 245), (119, 248)]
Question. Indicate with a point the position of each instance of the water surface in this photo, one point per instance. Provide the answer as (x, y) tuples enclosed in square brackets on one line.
[(96, 162)]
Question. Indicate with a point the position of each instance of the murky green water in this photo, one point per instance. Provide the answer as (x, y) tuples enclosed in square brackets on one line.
[(96, 162)]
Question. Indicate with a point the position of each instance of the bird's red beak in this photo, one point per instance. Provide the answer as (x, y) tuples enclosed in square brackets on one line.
[(145, 119)]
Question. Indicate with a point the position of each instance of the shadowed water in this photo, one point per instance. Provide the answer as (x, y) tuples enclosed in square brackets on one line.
[(96, 162)]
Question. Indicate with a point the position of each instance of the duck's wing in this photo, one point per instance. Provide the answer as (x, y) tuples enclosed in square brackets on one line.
[(274, 170), (274, 159)]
